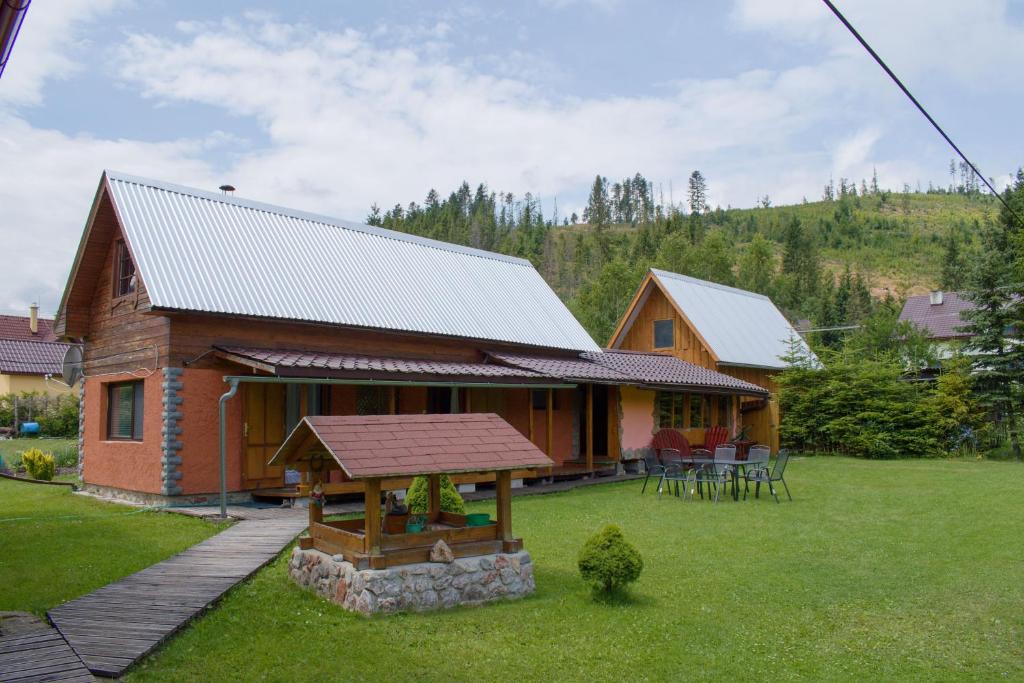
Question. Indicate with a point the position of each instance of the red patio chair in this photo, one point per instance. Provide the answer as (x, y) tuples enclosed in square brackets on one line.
[(670, 438), (715, 437)]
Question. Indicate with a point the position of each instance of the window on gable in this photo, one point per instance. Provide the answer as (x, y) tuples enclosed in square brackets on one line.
[(124, 271), (125, 411), (664, 334)]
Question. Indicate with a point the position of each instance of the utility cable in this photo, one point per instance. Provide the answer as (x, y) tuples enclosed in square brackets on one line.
[(920, 108)]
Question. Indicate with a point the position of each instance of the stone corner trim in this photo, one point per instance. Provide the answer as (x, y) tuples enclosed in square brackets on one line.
[(413, 587), (170, 445)]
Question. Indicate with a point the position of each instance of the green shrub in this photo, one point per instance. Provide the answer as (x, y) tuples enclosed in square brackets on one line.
[(67, 456), (39, 465), (418, 496), (608, 561)]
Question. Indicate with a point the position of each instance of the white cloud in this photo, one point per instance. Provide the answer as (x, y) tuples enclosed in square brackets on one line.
[(969, 42), (351, 118), (46, 199), (44, 49)]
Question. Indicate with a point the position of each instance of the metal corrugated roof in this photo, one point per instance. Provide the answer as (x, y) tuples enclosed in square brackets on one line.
[(201, 251), (741, 327)]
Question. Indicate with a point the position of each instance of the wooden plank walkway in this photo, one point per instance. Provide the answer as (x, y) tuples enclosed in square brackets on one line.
[(119, 624), (41, 655)]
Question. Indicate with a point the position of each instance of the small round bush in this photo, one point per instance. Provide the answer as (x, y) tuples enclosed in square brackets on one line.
[(418, 496), (608, 561), (39, 465)]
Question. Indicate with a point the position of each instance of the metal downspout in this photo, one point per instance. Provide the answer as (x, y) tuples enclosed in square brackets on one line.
[(224, 447)]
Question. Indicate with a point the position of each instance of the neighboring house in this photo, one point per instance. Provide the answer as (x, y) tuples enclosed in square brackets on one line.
[(729, 330), (29, 352), (181, 295), (938, 315)]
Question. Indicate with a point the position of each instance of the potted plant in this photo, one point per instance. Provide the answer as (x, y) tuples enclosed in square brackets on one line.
[(415, 524), (396, 515)]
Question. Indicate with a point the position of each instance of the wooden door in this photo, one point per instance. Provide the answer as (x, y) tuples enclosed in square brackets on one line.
[(264, 434)]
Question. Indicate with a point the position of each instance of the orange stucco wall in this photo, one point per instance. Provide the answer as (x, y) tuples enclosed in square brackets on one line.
[(637, 421), (200, 433), (136, 466), (132, 465)]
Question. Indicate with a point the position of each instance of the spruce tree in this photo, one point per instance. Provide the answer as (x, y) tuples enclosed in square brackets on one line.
[(996, 362)]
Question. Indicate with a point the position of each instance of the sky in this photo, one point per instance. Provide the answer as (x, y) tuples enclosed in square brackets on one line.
[(330, 107)]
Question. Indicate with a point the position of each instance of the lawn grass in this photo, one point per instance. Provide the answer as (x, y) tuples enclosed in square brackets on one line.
[(55, 545), (905, 570)]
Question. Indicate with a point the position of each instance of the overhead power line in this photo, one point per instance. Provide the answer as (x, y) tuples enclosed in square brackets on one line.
[(898, 82)]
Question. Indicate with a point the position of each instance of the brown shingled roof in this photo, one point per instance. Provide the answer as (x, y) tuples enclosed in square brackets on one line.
[(939, 321), (309, 363), (19, 357), (366, 446), (17, 327), (632, 367)]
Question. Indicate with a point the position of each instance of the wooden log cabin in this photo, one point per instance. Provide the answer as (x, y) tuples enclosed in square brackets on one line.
[(732, 331), (212, 325)]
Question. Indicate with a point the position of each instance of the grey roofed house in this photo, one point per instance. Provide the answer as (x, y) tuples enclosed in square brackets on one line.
[(214, 253), (938, 314), (741, 328)]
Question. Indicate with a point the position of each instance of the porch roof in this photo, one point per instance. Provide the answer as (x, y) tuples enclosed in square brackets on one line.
[(369, 446), (633, 368), (305, 363)]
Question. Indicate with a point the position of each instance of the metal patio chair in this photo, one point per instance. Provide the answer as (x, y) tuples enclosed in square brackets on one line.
[(758, 456), (762, 475), (656, 464)]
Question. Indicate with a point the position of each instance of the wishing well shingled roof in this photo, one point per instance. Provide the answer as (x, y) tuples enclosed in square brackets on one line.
[(367, 446)]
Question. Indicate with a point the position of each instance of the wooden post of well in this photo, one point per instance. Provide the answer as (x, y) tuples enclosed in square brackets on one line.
[(590, 427), (550, 415), (392, 400), (316, 513), (371, 498), (434, 497), (503, 486)]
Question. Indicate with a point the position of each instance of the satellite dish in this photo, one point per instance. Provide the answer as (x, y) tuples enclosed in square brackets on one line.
[(71, 368)]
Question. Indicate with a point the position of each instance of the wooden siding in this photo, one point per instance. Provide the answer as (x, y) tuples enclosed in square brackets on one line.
[(193, 334), (120, 334), (687, 344)]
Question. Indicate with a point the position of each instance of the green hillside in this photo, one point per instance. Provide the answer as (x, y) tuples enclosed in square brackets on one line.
[(827, 261)]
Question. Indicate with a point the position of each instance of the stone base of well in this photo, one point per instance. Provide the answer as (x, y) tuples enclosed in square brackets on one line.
[(413, 587)]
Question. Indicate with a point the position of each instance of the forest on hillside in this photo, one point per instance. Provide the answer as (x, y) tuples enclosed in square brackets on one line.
[(828, 262), (839, 265)]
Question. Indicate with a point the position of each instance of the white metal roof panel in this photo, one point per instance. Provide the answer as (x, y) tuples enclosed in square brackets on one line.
[(202, 251), (741, 327)]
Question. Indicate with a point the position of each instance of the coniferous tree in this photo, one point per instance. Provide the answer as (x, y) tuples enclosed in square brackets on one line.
[(757, 266), (996, 368), (954, 264)]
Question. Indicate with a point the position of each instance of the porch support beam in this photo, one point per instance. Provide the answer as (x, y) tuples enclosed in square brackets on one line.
[(550, 415), (529, 407), (590, 426)]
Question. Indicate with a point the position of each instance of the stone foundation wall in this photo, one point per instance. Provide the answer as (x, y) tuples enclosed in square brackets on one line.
[(413, 587), (158, 500)]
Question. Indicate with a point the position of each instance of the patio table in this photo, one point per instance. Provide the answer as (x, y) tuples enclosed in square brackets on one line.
[(733, 462)]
